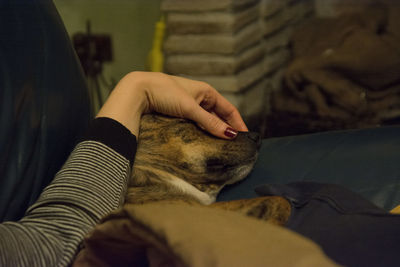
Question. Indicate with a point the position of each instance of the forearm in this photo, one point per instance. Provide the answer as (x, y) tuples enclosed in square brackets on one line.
[(91, 184)]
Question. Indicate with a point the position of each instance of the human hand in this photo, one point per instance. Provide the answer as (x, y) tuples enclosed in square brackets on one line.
[(144, 92)]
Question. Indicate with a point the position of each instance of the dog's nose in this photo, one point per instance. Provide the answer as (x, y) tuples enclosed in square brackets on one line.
[(254, 136)]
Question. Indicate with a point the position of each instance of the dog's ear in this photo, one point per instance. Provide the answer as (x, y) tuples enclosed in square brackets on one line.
[(153, 129), (150, 121)]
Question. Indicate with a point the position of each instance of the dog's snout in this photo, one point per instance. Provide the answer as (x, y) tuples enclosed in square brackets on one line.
[(254, 136)]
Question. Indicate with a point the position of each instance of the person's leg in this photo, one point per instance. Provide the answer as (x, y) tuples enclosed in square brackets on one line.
[(365, 161), (44, 103), (345, 225)]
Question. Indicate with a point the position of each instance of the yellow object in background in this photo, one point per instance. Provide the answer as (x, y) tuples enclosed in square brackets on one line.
[(155, 59), (396, 210)]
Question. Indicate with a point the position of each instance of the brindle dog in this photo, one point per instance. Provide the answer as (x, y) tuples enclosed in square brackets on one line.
[(178, 161)]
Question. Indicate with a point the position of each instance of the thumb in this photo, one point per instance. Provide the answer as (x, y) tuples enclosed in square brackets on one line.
[(213, 124)]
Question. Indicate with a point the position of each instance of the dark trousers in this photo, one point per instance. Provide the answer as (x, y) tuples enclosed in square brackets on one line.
[(351, 230)]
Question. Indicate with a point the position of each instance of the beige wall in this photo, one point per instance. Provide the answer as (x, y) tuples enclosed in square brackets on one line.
[(332, 8), (129, 22)]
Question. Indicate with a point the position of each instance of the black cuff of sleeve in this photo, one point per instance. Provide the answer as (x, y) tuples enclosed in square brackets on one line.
[(114, 135)]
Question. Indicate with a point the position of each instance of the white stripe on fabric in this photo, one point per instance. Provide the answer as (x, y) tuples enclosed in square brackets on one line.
[(90, 185)]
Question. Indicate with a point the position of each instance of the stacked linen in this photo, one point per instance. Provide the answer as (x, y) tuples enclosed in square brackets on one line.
[(219, 42)]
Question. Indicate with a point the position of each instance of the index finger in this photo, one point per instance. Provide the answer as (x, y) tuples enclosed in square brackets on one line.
[(229, 113)]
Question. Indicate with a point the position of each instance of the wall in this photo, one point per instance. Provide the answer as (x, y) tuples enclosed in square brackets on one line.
[(129, 22)]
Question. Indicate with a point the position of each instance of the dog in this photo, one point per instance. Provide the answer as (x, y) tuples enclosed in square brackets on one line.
[(178, 161)]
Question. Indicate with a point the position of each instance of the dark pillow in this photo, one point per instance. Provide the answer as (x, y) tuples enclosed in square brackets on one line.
[(364, 161), (43, 100)]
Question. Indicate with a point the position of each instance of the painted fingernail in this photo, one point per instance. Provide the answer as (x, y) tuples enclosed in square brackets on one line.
[(231, 133)]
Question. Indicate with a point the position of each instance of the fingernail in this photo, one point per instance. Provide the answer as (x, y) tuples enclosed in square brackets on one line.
[(231, 133)]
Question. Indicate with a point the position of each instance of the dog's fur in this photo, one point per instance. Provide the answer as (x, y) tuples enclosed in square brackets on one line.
[(177, 161)]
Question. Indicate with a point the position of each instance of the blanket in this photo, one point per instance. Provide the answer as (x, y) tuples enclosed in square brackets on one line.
[(344, 73), (178, 234)]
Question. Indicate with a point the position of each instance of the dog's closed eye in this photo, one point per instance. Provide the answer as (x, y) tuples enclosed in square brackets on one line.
[(215, 164)]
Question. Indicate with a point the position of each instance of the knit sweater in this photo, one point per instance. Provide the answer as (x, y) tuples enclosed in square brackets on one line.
[(91, 183)]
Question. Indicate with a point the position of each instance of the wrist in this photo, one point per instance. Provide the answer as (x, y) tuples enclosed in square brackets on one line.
[(134, 85), (127, 102), (140, 84)]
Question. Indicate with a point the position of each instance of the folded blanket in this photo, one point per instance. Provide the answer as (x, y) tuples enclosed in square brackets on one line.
[(178, 234), (344, 71)]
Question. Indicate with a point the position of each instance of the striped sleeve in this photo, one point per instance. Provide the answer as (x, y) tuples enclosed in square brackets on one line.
[(91, 183)]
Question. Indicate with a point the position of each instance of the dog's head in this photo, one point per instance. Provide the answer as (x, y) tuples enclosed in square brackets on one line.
[(176, 153)]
